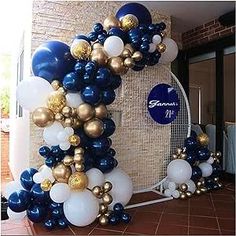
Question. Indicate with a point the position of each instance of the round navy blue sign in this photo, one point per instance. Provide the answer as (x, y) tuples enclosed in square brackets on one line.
[(163, 104)]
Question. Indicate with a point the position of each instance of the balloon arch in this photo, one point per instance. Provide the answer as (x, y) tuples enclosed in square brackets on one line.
[(68, 94)]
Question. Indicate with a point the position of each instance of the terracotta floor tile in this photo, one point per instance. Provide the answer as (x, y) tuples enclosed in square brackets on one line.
[(199, 211), (204, 222), (83, 230), (171, 230), (147, 217), (221, 213), (16, 231), (159, 207), (178, 203), (120, 227), (142, 228), (227, 224), (227, 232), (105, 232), (176, 210), (224, 205), (202, 231), (141, 197), (204, 203), (174, 219), (222, 197), (10, 224)]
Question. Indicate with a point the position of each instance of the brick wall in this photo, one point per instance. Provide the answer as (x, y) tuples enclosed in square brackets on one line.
[(4, 155), (207, 32)]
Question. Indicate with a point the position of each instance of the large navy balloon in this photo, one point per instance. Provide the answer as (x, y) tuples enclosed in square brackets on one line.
[(72, 82), (191, 157), (52, 60), (196, 173), (26, 178), (106, 163), (190, 143), (136, 9), (203, 154), (91, 94), (99, 146), (38, 194), (36, 213), (19, 201)]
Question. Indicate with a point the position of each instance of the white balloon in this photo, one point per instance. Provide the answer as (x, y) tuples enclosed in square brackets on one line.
[(206, 169), (73, 99), (172, 186), (15, 215), (152, 48), (38, 178), (156, 39), (95, 178), (81, 208), (60, 192), (64, 146), (46, 173), (69, 130), (165, 184), (50, 133), (179, 171), (210, 160), (33, 92), (167, 192), (11, 187), (62, 136), (171, 51), (122, 186), (175, 194), (113, 46), (191, 186)]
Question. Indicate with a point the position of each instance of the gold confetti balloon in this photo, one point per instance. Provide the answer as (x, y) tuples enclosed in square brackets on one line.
[(78, 181), (74, 140), (99, 56), (161, 47), (101, 111), (129, 22), (56, 101), (80, 49), (93, 128), (43, 117), (110, 22), (85, 112), (61, 173), (116, 65), (203, 139), (46, 185)]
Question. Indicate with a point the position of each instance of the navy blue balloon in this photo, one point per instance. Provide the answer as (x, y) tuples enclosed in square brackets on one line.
[(196, 173), (56, 151), (147, 38), (44, 151), (115, 81), (118, 208), (26, 178), (80, 67), (143, 28), (88, 78), (91, 94), (144, 47), (203, 154), (114, 219), (111, 152), (191, 158), (162, 26), (152, 28), (138, 67), (136, 9), (91, 67), (89, 161), (82, 36), (109, 127), (84, 140), (108, 96), (57, 213), (72, 82), (98, 28), (119, 33), (125, 217), (49, 224), (105, 164), (99, 146), (190, 143), (102, 37), (38, 194), (193, 134), (36, 213), (50, 161), (92, 36), (217, 169), (19, 201), (52, 60), (135, 33), (102, 79), (54, 205), (62, 223)]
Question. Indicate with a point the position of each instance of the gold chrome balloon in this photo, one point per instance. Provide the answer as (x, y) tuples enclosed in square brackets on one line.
[(59, 117), (174, 156), (178, 151), (103, 220), (56, 84), (97, 191), (130, 48), (188, 194), (216, 179), (79, 167), (61, 173), (218, 154), (110, 22), (161, 47), (163, 34), (116, 65), (203, 189), (99, 56), (68, 122), (78, 158), (129, 62), (43, 117), (108, 213), (126, 53), (183, 196), (73, 112), (93, 128), (199, 184), (107, 198), (78, 181), (183, 187), (66, 111), (76, 123), (137, 56), (97, 45), (198, 192), (183, 156), (56, 101), (46, 185), (74, 140), (203, 139), (101, 111), (220, 185), (103, 208), (81, 50), (68, 160), (85, 112), (129, 22), (107, 186), (79, 150)]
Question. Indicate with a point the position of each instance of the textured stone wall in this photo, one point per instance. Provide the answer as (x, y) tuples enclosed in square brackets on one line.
[(142, 146)]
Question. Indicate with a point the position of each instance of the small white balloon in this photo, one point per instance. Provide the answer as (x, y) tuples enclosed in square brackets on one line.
[(69, 130), (64, 146), (206, 169), (11, 187), (60, 192), (156, 39), (46, 173), (38, 178), (33, 92), (175, 194), (167, 193), (95, 178), (179, 171), (122, 186), (81, 208), (172, 186), (73, 100), (62, 136), (171, 51), (210, 160), (15, 215), (113, 46), (152, 48), (191, 186), (165, 184)]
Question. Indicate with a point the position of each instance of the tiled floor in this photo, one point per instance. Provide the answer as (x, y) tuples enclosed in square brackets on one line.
[(209, 214)]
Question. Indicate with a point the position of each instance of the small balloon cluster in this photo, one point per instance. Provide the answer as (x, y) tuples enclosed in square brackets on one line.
[(194, 169)]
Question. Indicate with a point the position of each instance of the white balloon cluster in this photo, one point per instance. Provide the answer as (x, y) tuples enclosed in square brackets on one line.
[(63, 137), (171, 189), (43, 173), (156, 39), (171, 51)]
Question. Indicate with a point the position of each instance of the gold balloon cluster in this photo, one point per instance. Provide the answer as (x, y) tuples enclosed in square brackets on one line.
[(183, 192), (61, 173), (216, 180), (200, 187), (102, 192), (203, 139), (216, 156), (179, 154)]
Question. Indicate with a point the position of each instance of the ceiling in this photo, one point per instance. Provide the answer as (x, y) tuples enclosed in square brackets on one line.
[(187, 15)]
